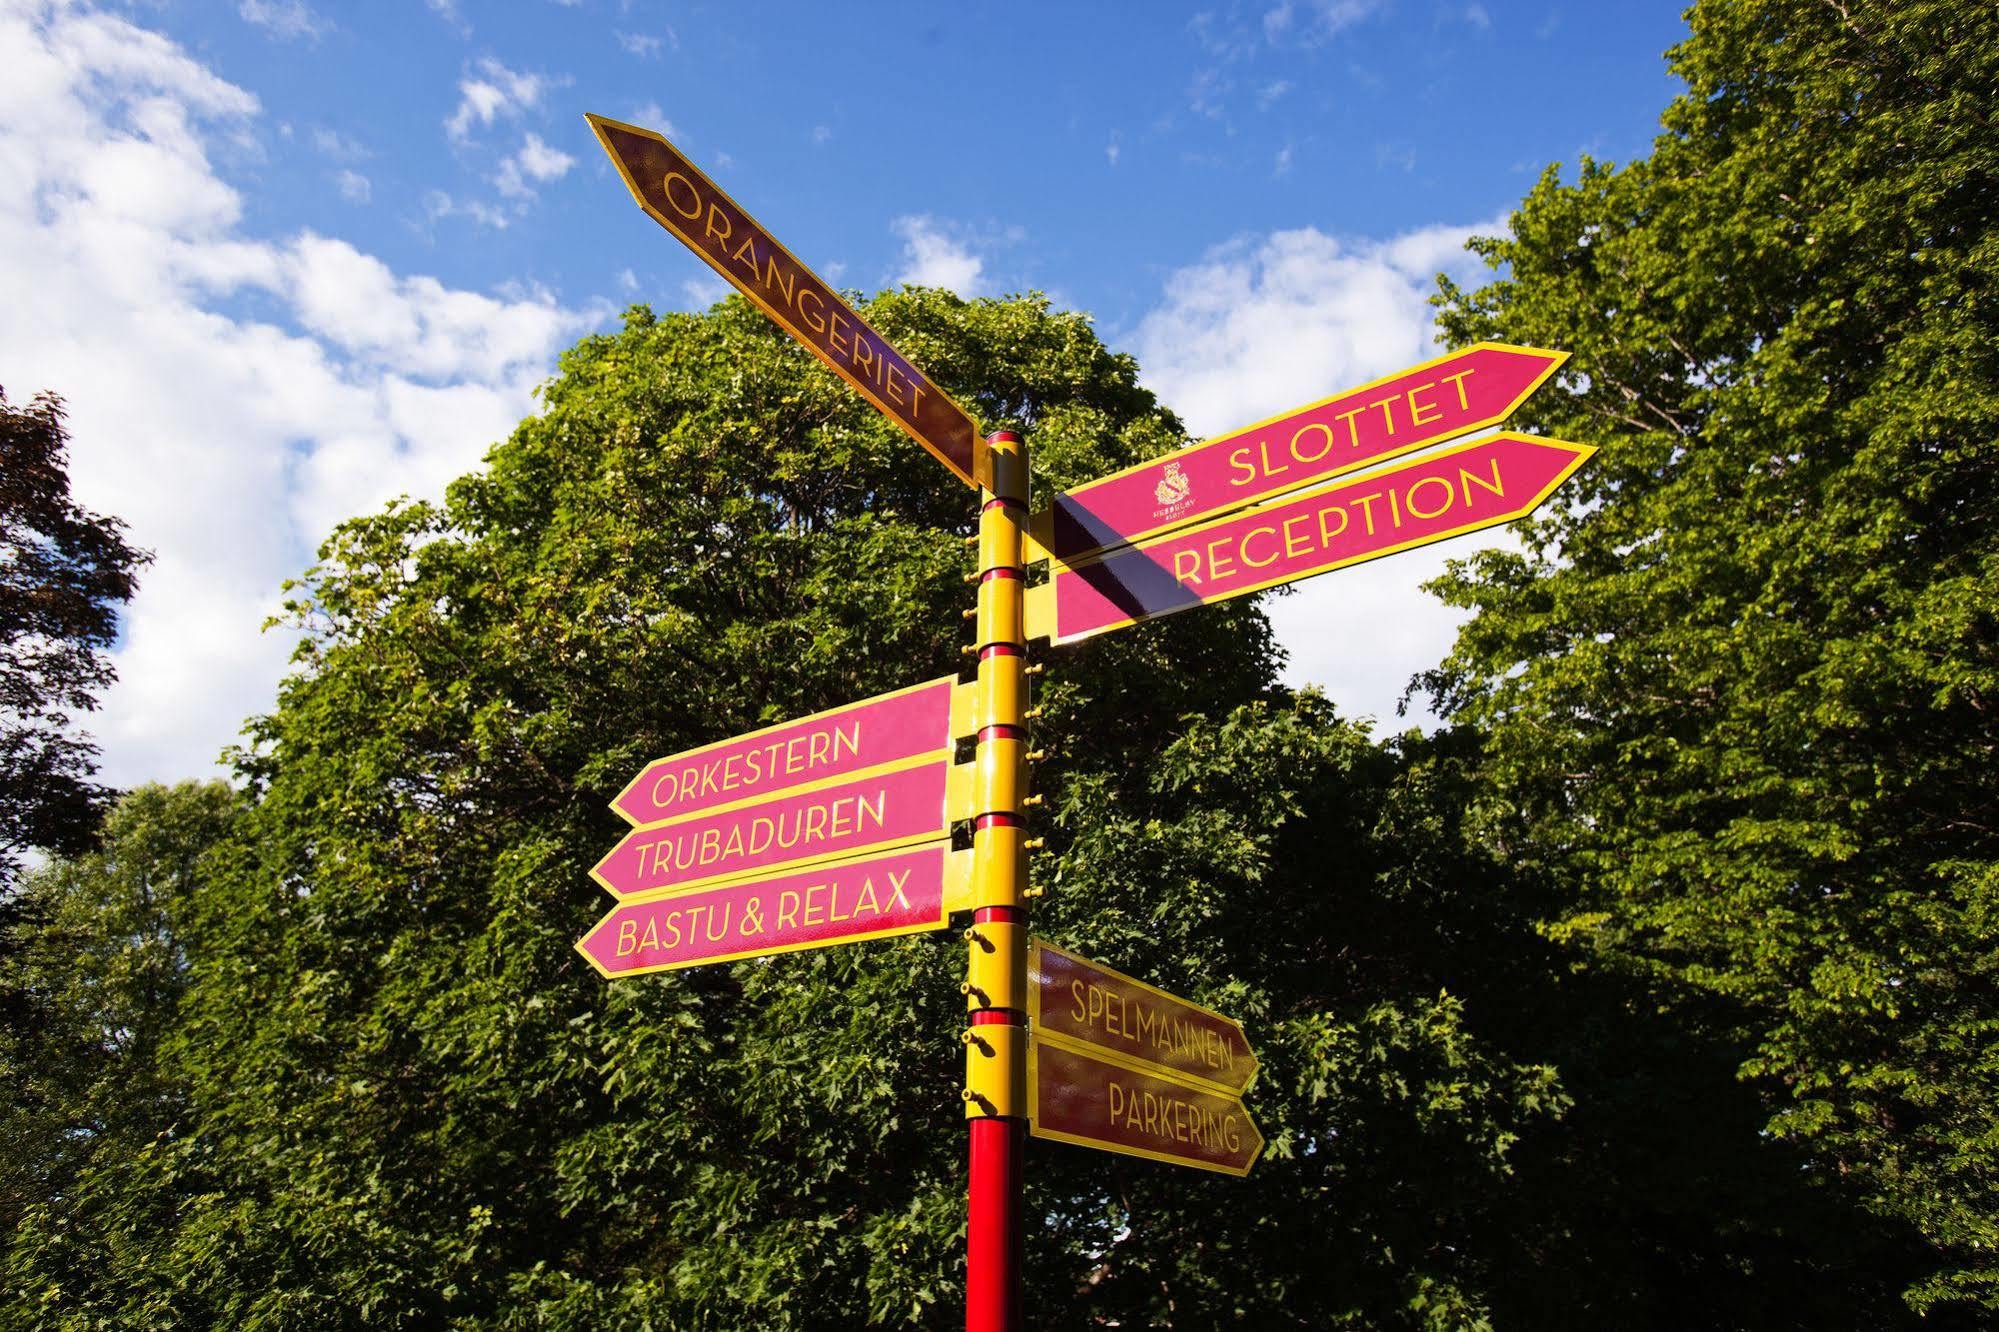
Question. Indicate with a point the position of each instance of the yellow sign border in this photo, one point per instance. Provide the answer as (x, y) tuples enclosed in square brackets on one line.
[(979, 464), (1040, 611), (957, 869), (1041, 524), (955, 791), (958, 688), (1035, 1129), (1138, 1062)]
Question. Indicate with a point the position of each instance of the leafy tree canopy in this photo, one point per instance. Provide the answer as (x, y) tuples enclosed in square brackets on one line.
[(1738, 700), (64, 571)]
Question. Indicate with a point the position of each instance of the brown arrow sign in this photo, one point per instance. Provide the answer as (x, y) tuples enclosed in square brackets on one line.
[(1081, 1002), (1082, 1097), (683, 200)]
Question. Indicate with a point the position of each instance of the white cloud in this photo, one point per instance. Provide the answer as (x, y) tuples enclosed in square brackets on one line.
[(1267, 323), (229, 442), (437, 205), (1114, 149), (822, 134), (1322, 19), (1476, 16), (936, 254), (1282, 166), (640, 44), (1206, 91), (354, 186), (339, 147), (283, 19), (628, 281), (535, 164), (649, 115), (1267, 95), (491, 92)]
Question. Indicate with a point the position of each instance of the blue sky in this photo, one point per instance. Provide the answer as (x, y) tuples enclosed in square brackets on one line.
[(287, 259)]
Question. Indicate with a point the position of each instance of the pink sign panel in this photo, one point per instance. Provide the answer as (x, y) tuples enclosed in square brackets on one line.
[(1461, 489), (841, 740), (878, 809), (1439, 400), (868, 898)]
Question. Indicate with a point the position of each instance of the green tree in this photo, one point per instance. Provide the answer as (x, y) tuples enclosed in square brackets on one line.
[(91, 1129), (414, 1106), (400, 1100), (1737, 698), (64, 571)]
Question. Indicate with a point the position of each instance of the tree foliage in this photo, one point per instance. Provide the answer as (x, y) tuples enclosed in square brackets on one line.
[(390, 1095), (64, 571), (1737, 701)]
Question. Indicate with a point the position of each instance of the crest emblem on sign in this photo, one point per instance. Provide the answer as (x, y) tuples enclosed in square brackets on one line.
[(1174, 489)]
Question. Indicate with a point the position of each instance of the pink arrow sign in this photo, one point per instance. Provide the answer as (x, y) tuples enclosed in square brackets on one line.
[(876, 810), (871, 897), (827, 744), (1462, 489), (1427, 404)]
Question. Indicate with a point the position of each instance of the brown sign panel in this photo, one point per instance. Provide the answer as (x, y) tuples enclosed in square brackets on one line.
[(1089, 1004), (684, 201), (1079, 1097)]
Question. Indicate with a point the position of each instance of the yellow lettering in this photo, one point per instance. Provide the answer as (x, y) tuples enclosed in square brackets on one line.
[(628, 935), (1416, 416), (1251, 535), (1215, 568), (787, 283), (815, 914), (1076, 998), (833, 337), (1353, 431), (895, 883), (1325, 536), (1458, 379), (787, 907), (1445, 507), (1366, 503), (812, 321), (1263, 449), (747, 247), (1387, 406), (714, 216), (692, 193), (1324, 448), (1467, 480), (1192, 572), (1240, 459)]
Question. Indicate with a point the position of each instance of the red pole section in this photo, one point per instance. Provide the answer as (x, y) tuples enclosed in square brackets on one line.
[(993, 1229)]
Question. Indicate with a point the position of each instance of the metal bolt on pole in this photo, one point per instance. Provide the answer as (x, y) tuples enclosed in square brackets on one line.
[(996, 983)]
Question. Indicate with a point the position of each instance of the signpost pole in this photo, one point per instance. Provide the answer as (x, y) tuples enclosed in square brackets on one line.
[(996, 980)]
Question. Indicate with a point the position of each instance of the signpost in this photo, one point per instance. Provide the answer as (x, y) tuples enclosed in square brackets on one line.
[(1124, 1066), (1443, 494), (834, 743), (1080, 1096), (835, 827), (875, 896), (1427, 404), (1074, 1001), (893, 805), (675, 194)]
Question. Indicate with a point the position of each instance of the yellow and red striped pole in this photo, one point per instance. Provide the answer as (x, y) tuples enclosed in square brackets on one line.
[(996, 983)]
